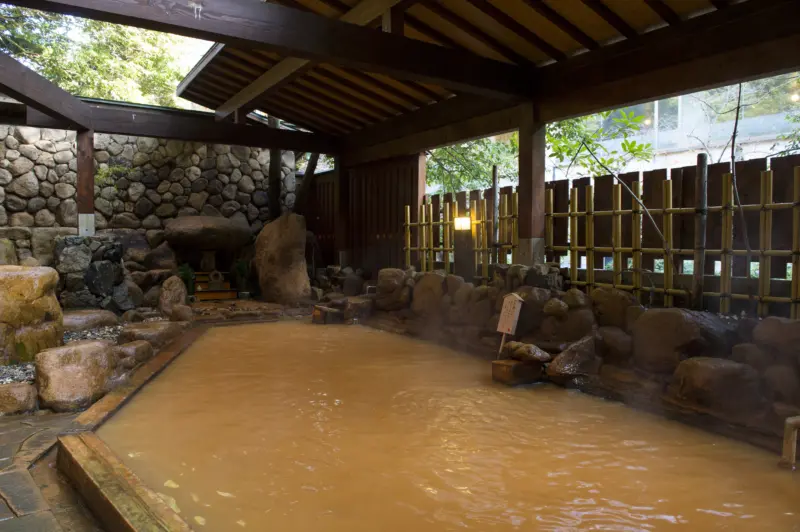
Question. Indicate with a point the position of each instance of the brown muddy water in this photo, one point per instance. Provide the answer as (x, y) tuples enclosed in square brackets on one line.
[(297, 427)]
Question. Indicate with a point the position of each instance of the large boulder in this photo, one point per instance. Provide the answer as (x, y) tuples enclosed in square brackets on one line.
[(532, 313), (206, 233), (718, 385), (617, 345), (161, 258), (280, 260), (752, 355), (663, 337), (156, 333), (17, 397), (428, 292), (577, 360), (780, 335), (133, 353), (393, 291), (82, 320), (30, 316), (611, 305), (782, 381), (577, 323), (73, 376), (173, 292)]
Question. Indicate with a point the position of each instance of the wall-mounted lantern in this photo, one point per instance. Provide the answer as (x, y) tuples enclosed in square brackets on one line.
[(463, 223)]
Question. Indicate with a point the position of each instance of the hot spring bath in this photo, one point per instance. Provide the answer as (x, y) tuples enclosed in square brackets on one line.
[(295, 427)]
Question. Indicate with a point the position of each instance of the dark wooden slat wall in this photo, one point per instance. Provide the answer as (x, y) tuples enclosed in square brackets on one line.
[(782, 192), (321, 219)]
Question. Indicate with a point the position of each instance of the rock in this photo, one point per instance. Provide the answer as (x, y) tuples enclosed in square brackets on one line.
[(161, 258), (17, 398), (428, 292), (719, 385), (521, 351), (206, 233), (633, 313), (30, 316), (578, 323), (82, 320), (8, 253), (43, 242), (124, 297), (516, 372), (73, 259), (21, 219), (353, 285), (173, 292), (663, 337), (67, 213), (579, 359), (181, 313), (25, 186), (556, 307), (73, 376), (532, 312), (280, 260), (783, 383), (781, 335), (610, 305), (151, 297), (617, 345), (575, 298), (157, 333), (752, 355), (101, 276), (132, 316), (453, 283), (133, 353), (392, 291)]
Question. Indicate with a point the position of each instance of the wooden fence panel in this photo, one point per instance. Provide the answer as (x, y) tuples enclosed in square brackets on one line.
[(580, 184), (629, 179), (320, 218), (603, 201), (783, 192), (561, 204), (748, 180)]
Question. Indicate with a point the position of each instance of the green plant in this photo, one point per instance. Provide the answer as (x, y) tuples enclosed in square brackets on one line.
[(186, 273), (241, 275), (105, 177)]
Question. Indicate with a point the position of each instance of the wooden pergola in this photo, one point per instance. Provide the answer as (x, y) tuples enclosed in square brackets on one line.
[(372, 80)]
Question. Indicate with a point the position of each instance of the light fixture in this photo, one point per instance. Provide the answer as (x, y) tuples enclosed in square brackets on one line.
[(462, 223), (795, 97), (647, 122)]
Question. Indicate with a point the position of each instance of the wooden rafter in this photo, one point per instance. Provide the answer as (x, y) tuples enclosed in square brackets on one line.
[(512, 24), (25, 85), (563, 24), (286, 31), (664, 11), (613, 19)]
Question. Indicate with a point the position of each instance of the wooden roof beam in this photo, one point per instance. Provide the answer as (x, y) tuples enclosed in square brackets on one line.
[(563, 24), (610, 16), (298, 34), (360, 15), (664, 11), (393, 20), (25, 85)]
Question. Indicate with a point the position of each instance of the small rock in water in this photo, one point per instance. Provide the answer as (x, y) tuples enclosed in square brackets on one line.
[(99, 333), (17, 373), (200, 520), (171, 484)]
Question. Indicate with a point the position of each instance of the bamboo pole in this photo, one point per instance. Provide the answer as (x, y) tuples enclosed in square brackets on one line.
[(636, 241), (429, 229), (590, 267), (795, 312), (548, 222), (700, 224), (485, 237), (667, 226), (407, 228), (616, 234), (765, 240), (421, 234), (514, 228), (495, 213), (473, 219), (573, 235), (505, 234), (446, 238), (727, 244)]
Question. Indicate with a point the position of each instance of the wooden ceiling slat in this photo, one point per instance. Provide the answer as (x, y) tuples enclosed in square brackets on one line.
[(475, 32), (720, 4), (354, 98), (664, 11), (318, 95), (281, 112), (613, 19), (562, 23), (512, 24), (315, 117), (348, 84), (321, 107)]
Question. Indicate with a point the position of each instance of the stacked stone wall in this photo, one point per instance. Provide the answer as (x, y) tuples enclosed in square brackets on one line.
[(140, 182)]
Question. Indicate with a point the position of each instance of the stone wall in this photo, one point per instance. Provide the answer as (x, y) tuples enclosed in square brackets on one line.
[(140, 182)]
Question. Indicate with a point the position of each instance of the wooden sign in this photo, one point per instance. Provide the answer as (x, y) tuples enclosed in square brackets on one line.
[(512, 304)]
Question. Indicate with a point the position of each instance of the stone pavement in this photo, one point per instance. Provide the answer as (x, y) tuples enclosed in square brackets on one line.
[(30, 498)]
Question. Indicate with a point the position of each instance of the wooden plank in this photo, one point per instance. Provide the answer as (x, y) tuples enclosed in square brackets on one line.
[(603, 196), (627, 220), (652, 196), (286, 30), (664, 11), (362, 14), (23, 84), (85, 180), (563, 24), (610, 16), (580, 184), (714, 221), (783, 192), (683, 224), (306, 185), (561, 204), (748, 180), (393, 20), (197, 127)]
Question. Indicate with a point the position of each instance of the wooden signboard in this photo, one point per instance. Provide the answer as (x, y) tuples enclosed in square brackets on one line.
[(512, 304)]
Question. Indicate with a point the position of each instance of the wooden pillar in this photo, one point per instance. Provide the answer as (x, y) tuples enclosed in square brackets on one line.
[(342, 208), (274, 180), (85, 183), (531, 188)]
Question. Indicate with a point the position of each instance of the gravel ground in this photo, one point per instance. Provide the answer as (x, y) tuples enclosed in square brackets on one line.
[(99, 333), (18, 373)]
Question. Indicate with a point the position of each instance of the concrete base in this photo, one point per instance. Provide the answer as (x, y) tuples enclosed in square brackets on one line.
[(531, 251), (86, 224)]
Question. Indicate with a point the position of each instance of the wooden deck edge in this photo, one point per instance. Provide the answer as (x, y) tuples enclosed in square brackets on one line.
[(116, 496)]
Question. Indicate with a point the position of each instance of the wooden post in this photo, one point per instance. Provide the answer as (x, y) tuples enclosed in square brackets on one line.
[(574, 262), (496, 215), (342, 209), (796, 246), (590, 267), (700, 224), (531, 187), (727, 244), (274, 179), (667, 225), (85, 182), (765, 240), (616, 233), (636, 240)]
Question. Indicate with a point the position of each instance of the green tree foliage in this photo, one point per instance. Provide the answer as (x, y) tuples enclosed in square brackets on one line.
[(93, 59), (576, 143)]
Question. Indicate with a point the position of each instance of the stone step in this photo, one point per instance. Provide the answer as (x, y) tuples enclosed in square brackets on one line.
[(214, 295), (204, 286)]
